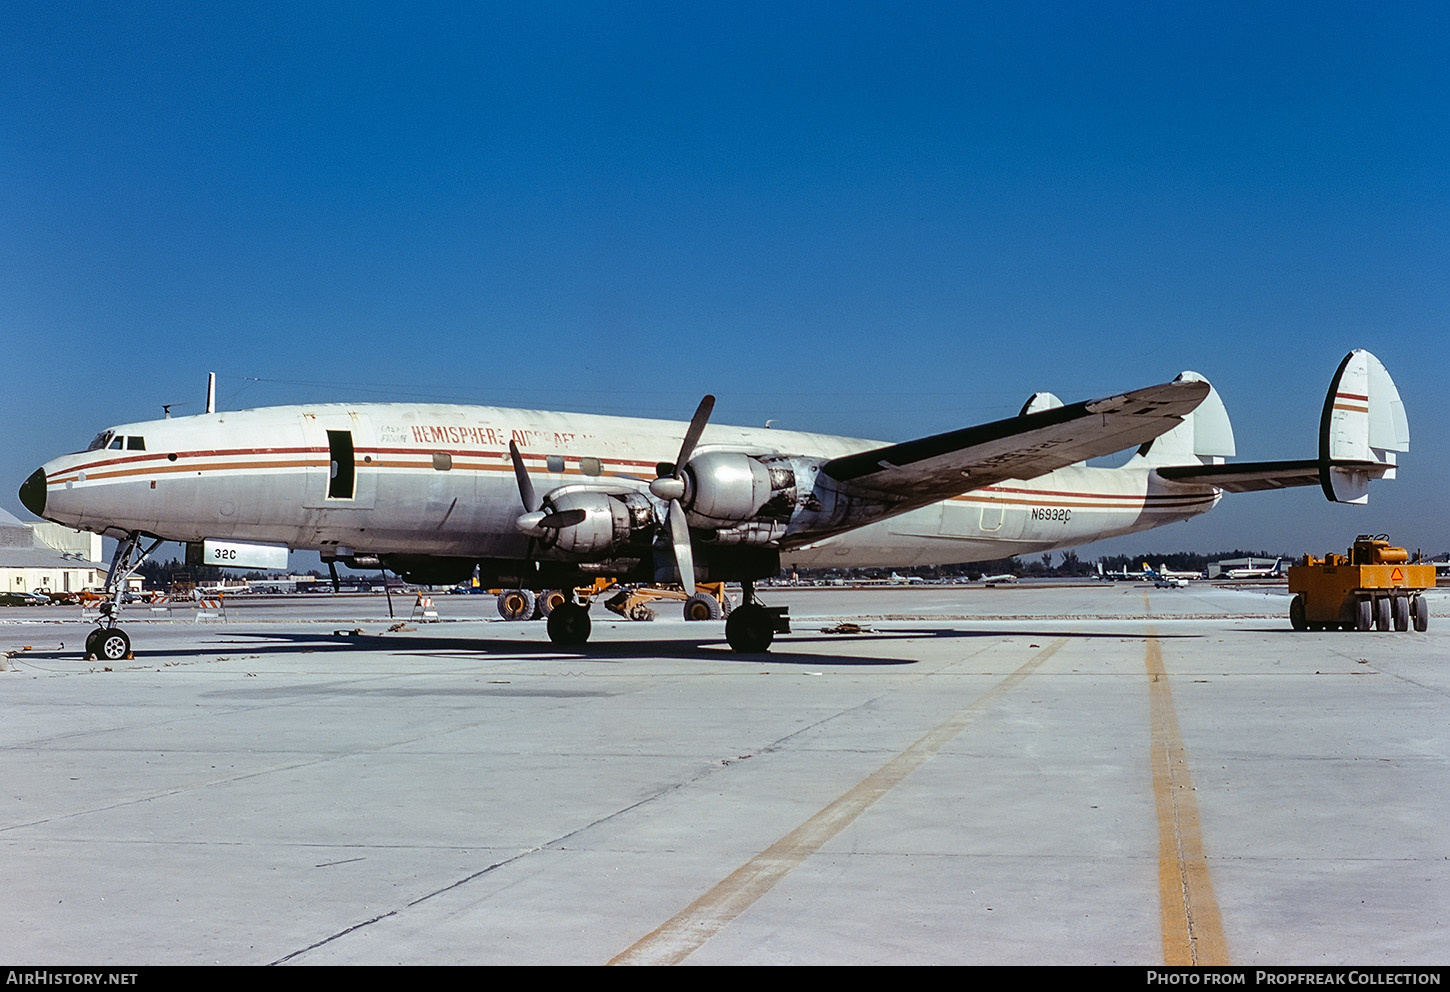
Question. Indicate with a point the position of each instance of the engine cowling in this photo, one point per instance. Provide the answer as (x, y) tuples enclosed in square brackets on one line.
[(727, 487), (612, 523)]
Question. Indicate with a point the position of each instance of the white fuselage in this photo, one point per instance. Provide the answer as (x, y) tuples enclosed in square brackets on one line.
[(438, 480)]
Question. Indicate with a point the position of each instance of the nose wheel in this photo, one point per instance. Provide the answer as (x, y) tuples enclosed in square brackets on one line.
[(108, 644)]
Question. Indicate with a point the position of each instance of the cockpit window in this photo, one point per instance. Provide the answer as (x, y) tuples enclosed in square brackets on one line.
[(115, 444), (99, 441), (134, 443)]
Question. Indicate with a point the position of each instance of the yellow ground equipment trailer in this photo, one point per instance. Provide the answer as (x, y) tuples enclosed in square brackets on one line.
[(629, 601), (708, 603), (1374, 585)]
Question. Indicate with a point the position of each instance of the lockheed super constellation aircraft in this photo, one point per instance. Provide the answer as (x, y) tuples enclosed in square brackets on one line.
[(537, 500)]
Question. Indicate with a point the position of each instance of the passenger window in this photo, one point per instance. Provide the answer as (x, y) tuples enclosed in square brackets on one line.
[(590, 466), (554, 463), (442, 461)]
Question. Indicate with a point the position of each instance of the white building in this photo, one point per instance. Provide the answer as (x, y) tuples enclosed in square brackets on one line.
[(47, 557)]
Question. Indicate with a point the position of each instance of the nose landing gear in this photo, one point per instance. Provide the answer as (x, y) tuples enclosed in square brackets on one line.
[(108, 642)]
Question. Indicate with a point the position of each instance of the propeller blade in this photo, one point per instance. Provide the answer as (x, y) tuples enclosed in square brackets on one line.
[(533, 522), (670, 483), (563, 518), (692, 436), (526, 486), (684, 555)]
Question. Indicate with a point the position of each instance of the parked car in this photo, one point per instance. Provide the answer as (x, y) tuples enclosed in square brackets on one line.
[(23, 599)]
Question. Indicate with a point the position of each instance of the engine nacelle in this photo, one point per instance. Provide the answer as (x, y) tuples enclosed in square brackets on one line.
[(727, 487), (612, 522)]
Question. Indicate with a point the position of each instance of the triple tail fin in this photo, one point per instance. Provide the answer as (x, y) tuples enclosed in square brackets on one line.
[(1361, 430)]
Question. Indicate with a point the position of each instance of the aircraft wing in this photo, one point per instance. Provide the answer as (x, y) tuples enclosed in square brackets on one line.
[(1023, 447)]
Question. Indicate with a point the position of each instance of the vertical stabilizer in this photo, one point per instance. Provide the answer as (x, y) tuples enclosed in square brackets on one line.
[(1204, 438), (1363, 424)]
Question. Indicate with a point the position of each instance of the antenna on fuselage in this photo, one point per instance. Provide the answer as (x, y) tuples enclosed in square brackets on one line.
[(211, 392)]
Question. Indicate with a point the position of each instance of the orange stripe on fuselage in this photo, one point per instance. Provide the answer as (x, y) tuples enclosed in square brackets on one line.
[(239, 459)]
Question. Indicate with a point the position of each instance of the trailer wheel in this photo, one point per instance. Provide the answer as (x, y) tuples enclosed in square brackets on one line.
[(1297, 619), (516, 604), (1363, 613), (702, 606), (1402, 612), (1420, 610), (551, 599), (1382, 613)]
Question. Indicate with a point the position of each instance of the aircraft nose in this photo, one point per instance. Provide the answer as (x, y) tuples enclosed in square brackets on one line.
[(32, 492)]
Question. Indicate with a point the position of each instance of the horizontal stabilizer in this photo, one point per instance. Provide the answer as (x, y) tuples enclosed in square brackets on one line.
[(1248, 477)]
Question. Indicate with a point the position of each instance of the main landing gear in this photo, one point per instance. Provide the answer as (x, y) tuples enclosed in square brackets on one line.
[(108, 642), (569, 624), (749, 628), (752, 625)]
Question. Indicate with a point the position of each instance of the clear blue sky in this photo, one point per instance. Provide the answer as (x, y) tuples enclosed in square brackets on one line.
[(882, 220)]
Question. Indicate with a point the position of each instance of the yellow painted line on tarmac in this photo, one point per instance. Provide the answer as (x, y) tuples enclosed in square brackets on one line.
[(680, 936), (1192, 928)]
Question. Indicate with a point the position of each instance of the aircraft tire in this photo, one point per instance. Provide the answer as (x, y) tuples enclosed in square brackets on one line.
[(749, 629), (702, 606), (93, 648), (1297, 619), (516, 604), (112, 645), (569, 624)]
